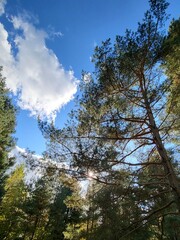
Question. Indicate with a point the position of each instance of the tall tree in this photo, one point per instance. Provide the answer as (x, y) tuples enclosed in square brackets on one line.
[(37, 207), (12, 216), (52, 205), (7, 125), (74, 204), (112, 209), (122, 122)]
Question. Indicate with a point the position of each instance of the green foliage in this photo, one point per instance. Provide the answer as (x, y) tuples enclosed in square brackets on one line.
[(172, 51), (64, 211), (172, 226), (37, 208), (42, 211), (172, 68), (75, 232), (12, 215), (114, 212), (123, 132), (58, 216), (7, 125)]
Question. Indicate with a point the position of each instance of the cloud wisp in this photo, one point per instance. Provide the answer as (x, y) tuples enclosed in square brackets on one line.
[(2, 6), (34, 72)]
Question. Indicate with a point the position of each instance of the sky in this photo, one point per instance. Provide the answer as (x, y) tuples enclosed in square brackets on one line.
[(45, 45)]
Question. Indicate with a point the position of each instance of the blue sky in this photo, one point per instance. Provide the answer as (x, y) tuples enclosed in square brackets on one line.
[(46, 44)]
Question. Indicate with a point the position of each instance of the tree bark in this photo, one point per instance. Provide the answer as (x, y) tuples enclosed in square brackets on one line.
[(35, 225), (167, 165)]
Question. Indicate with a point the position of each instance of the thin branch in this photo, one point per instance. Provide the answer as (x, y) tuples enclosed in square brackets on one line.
[(146, 220)]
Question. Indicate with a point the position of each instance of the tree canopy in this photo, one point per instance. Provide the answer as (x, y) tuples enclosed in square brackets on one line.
[(121, 140), (7, 127), (122, 124)]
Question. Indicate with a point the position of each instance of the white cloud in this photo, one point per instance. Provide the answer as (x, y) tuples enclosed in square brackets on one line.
[(7, 60), (22, 157), (35, 72), (53, 33), (34, 165), (2, 6)]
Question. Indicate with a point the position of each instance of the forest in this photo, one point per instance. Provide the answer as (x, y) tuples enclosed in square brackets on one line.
[(113, 171)]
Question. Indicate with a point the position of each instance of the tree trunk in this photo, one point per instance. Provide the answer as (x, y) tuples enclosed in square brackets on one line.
[(168, 167), (34, 230)]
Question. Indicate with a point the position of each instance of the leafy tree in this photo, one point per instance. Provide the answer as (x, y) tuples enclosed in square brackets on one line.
[(7, 125), (49, 208), (12, 216)]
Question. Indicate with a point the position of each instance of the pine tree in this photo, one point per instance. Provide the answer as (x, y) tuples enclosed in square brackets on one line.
[(37, 207), (122, 121), (7, 125)]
